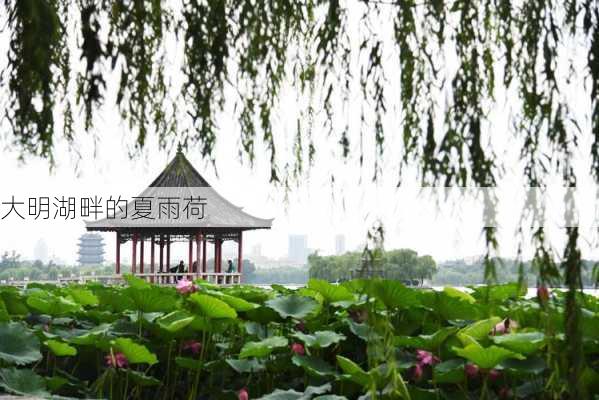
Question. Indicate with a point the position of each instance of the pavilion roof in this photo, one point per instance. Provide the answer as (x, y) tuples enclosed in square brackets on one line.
[(179, 180)]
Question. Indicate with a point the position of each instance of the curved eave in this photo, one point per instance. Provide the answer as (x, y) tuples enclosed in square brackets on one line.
[(173, 229)]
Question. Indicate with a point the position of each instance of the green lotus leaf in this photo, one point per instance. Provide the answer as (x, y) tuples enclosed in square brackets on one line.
[(331, 293), (279, 394), (45, 302), (354, 372), (313, 365), (151, 299), (534, 365), (134, 352), (190, 363), (212, 307), (246, 366), (23, 382), (248, 293), (451, 371), (262, 348), (175, 321), (84, 297), (139, 378), (204, 324), (393, 294), (18, 345), (4, 316), (417, 393), (498, 293), (291, 394), (298, 307), (259, 330), (456, 293), (455, 307), (480, 330), (524, 343), (54, 383), (60, 349), (486, 357), (320, 339), (263, 315), (238, 304), (311, 293), (93, 336), (330, 397), (426, 342), (589, 323), (13, 301), (136, 282)]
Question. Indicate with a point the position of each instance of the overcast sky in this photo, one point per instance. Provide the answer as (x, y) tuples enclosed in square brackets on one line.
[(315, 208)]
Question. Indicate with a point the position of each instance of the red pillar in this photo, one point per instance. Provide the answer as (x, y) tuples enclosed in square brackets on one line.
[(240, 255), (168, 253), (134, 254), (198, 254), (190, 268), (216, 255), (220, 258), (141, 255), (118, 254), (204, 254), (152, 254)]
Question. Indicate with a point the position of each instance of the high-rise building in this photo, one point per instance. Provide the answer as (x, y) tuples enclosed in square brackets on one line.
[(339, 244), (257, 250), (298, 249), (91, 249), (40, 251)]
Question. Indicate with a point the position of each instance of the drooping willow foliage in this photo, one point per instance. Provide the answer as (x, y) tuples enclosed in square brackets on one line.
[(441, 67)]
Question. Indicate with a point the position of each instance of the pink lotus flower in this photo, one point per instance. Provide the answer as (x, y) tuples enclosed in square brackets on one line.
[(426, 358), (243, 394), (192, 345), (494, 375), (504, 326), (116, 360), (185, 286), (543, 294), (417, 372), (499, 328), (298, 349), (471, 371)]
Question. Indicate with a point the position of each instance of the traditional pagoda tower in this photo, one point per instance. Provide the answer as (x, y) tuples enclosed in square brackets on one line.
[(91, 249)]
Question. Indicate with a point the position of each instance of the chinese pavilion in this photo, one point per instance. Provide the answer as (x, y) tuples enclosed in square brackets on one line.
[(178, 206)]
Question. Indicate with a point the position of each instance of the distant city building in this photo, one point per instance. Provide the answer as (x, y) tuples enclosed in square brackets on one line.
[(40, 251), (298, 249), (339, 244), (257, 250), (91, 249)]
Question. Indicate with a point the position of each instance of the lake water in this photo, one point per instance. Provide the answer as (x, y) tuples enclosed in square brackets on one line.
[(531, 292)]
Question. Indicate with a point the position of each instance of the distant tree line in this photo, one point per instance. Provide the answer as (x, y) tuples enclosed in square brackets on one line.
[(400, 264), (461, 273), (12, 266)]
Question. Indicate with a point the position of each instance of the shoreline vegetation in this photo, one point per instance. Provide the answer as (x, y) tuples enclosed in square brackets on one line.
[(402, 264)]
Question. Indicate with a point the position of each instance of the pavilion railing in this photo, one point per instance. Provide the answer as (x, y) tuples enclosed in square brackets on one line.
[(219, 278)]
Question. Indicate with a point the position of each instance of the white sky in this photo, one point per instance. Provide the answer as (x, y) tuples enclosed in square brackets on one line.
[(314, 208)]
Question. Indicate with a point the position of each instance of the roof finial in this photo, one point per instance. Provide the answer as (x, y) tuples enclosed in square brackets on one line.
[(179, 148)]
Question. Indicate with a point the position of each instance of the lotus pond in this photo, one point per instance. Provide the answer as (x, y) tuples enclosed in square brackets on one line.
[(363, 339)]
